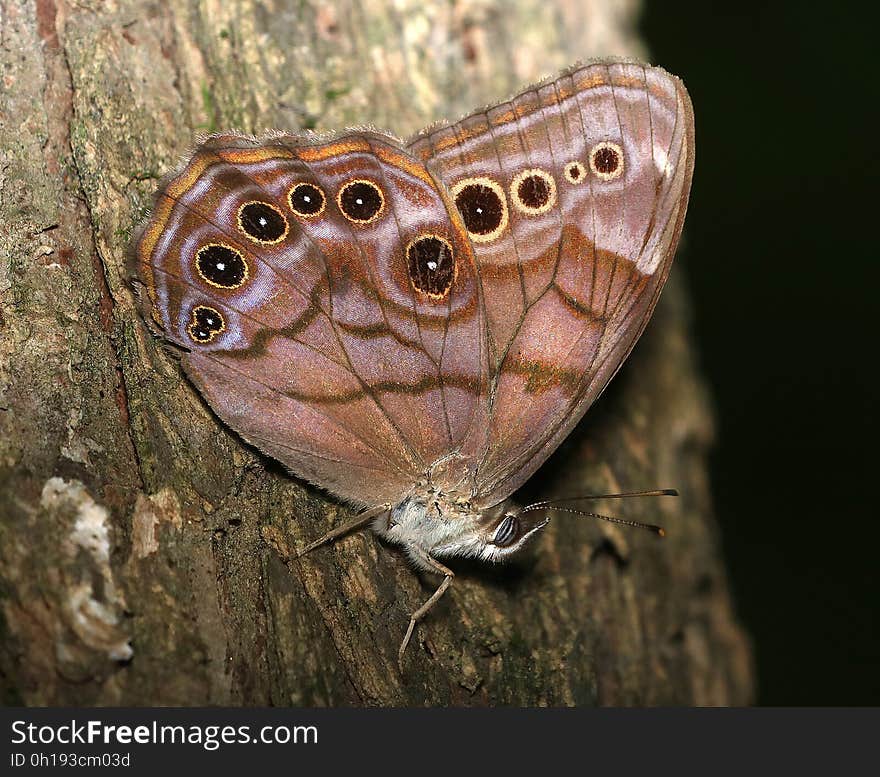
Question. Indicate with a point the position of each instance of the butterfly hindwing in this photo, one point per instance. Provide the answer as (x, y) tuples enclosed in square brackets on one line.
[(328, 305)]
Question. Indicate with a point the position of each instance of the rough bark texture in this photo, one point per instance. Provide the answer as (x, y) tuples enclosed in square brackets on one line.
[(145, 553)]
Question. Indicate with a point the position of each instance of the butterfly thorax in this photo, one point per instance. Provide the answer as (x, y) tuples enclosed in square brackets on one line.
[(447, 523)]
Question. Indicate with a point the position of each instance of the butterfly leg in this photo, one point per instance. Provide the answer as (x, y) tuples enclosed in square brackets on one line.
[(358, 522), (448, 575)]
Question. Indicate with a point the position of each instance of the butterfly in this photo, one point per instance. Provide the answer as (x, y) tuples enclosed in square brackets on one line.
[(414, 327)]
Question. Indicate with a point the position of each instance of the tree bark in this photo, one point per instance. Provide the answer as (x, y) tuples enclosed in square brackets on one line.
[(147, 555)]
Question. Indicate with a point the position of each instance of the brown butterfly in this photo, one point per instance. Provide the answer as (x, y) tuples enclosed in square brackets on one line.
[(416, 327)]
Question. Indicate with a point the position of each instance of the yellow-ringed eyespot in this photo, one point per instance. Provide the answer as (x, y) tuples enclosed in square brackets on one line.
[(221, 266), (575, 172), (431, 265), (533, 191), (483, 207), (606, 160), (306, 200), (205, 324), (262, 222), (361, 201)]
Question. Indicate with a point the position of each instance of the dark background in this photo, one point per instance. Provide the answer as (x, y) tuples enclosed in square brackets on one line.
[(780, 252)]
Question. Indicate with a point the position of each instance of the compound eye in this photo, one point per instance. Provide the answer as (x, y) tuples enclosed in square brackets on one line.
[(507, 532)]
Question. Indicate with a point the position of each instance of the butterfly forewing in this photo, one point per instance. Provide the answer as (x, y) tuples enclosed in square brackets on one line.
[(574, 193)]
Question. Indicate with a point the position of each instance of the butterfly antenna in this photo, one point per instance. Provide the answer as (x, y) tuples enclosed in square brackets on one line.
[(658, 530), (549, 503), (555, 504)]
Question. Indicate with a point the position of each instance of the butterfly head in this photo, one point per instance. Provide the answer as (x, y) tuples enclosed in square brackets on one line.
[(443, 526), (504, 536)]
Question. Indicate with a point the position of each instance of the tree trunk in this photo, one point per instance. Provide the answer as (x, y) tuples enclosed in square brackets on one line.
[(147, 555)]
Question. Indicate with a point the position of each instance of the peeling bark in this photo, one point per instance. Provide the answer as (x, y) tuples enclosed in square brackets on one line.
[(146, 552)]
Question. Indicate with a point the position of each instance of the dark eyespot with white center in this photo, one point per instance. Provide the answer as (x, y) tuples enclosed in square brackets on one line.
[(361, 201), (262, 222), (507, 532), (205, 324), (483, 207), (221, 266), (606, 160), (431, 265), (306, 200)]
